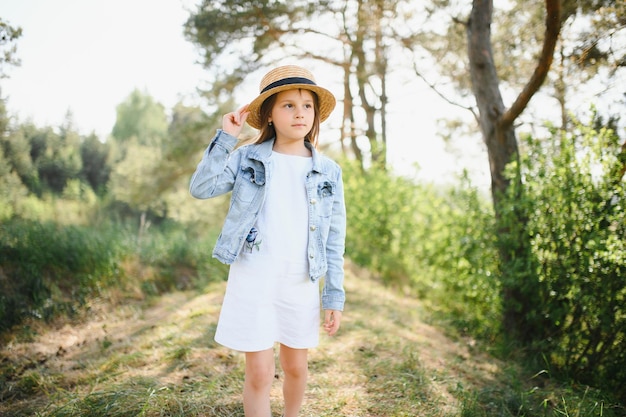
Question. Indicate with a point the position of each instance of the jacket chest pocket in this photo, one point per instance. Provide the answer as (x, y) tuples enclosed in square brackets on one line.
[(250, 181), (326, 195)]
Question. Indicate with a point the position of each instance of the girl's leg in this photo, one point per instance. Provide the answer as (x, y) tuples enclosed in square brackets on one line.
[(295, 367), (260, 371)]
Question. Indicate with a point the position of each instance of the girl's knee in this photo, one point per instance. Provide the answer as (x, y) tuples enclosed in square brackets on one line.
[(260, 377), (259, 382), (294, 362), (295, 369)]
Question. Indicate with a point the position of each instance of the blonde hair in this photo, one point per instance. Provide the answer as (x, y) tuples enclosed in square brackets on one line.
[(267, 131)]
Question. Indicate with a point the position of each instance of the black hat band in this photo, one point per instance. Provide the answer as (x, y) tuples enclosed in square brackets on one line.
[(287, 81)]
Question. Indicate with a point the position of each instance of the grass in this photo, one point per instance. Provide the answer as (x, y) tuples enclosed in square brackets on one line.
[(158, 358)]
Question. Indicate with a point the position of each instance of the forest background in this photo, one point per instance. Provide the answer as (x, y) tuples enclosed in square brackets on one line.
[(536, 270)]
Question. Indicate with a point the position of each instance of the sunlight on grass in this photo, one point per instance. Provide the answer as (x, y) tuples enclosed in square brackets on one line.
[(161, 360)]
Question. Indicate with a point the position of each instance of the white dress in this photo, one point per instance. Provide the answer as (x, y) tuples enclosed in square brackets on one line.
[(269, 295)]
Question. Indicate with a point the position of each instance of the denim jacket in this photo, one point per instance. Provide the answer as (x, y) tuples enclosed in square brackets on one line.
[(245, 171)]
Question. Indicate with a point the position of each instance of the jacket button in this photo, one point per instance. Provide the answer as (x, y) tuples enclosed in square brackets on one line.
[(313, 227), (313, 201), (311, 256)]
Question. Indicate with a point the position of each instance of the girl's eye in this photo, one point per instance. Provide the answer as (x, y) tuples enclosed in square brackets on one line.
[(289, 105)]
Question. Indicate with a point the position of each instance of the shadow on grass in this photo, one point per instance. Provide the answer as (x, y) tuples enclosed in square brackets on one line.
[(160, 360)]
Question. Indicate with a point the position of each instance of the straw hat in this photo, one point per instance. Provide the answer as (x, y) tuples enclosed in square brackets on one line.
[(284, 78)]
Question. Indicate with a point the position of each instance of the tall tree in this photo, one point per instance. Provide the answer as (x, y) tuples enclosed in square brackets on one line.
[(15, 163), (580, 54), (140, 118), (590, 55), (96, 168), (140, 136), (354, 36), (514, 65), (131, 182), (595, 54), (8, 46), (60, 160), (497, 123), (17, 149), (591, 52), (10, 183), (190, 129)]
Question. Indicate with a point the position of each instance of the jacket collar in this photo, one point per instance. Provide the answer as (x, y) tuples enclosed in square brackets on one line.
[(263, 151)]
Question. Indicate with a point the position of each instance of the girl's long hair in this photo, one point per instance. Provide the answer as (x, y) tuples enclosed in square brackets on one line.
[(267, 132)]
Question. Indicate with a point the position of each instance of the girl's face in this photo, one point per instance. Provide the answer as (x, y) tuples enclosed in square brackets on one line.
[(293, 114)]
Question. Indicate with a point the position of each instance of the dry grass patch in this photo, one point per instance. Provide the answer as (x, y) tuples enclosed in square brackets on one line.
[(158, 358)]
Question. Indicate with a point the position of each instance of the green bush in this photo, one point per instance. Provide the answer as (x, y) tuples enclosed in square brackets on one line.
[(48, 268), (381, 220), (181, 256), (438, 242), (459, 248), (573, 203)]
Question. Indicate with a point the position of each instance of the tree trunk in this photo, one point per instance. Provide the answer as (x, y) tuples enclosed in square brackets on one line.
[(500, 140), (362, 72), (348, 125), (496, 123)]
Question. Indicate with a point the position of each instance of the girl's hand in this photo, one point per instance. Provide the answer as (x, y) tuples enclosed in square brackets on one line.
[(332, 321), (232, 123)]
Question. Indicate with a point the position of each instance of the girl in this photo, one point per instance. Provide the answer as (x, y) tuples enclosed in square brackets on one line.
[(285, 229)]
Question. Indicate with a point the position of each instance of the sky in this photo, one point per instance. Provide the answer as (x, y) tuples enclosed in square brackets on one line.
[(87, 56)]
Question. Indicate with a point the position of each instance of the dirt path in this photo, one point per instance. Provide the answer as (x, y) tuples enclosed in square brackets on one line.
[(385, 362)]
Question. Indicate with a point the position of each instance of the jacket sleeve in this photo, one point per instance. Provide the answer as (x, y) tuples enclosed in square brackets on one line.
[(333, 293), (216, 172)]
